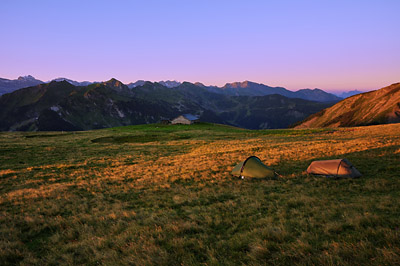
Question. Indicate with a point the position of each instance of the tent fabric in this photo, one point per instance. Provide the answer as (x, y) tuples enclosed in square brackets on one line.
[(337, 168), (252, 167)]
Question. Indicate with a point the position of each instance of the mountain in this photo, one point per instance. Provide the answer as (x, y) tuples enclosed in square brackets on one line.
[(135, 84), (199, 84), (167, 83), (315, 95), (248, 88), (73, 82), (22, 109), (116, 84), (370, 108), (7, 85), (63, 106), (170, 83)]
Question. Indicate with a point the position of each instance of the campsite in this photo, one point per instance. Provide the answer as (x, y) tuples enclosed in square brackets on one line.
[(164, 195)]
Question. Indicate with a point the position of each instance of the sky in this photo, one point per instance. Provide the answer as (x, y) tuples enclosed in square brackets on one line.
[(332, 45)]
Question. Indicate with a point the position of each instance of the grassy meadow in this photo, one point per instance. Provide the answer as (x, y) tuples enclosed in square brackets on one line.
[(163, 195)]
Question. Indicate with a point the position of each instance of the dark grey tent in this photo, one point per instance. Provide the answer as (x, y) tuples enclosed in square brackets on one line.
[(335, 168), (252, 167)]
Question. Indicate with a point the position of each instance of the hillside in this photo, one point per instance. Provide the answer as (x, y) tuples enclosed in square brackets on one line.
[(376, 107), (270, 111), (61, 106), (164, 195)]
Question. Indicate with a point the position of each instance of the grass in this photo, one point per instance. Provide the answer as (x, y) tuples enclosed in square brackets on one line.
[(163, 195)]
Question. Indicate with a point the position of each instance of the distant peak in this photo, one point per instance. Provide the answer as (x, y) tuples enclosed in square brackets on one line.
[(29, 77), (73, 82), (170, 83), (148, 83), (243, 84), (63, 81), (315, 90), (136, 84), (187, 83), (199, 84), (114, 82)]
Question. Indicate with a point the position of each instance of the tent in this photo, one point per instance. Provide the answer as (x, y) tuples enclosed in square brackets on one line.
[(252, 167), (335, 168)]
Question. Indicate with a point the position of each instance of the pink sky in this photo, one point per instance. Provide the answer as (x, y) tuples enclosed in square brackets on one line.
[(331, 45)]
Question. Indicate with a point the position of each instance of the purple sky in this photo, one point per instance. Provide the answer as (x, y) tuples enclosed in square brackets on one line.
[(333, 45)]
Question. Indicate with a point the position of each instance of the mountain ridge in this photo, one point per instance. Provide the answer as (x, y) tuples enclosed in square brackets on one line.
[(375, 107), (8, 85), (249, 88), (73, 82), (244, 88)]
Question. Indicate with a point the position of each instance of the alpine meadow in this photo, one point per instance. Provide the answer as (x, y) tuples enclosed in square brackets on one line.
[(199, 133), (163, 195)]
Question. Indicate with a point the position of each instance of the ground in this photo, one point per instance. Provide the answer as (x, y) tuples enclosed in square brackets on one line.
[(164, 195)]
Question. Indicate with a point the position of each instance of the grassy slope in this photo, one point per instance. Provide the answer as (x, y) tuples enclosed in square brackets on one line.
[(164, 195), (370, 108)]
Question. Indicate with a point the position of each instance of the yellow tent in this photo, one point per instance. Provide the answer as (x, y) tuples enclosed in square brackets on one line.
[(253, 167)]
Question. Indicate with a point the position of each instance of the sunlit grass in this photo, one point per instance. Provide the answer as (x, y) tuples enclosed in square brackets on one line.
[(164, 195)]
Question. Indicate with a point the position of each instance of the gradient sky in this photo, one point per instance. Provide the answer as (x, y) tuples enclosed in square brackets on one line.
[(333, 45)]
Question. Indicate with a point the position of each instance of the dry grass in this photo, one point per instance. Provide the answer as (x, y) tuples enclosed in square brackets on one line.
[(66, 200)]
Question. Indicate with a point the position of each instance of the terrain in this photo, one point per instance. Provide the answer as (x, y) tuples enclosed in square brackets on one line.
[(376, 107), (162, 195), (61, 106)]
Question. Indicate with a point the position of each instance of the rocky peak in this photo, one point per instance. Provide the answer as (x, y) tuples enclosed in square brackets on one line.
[(114, 83), (243, 84), (199, 84), (136, 84), (170, 83), (26, 78)]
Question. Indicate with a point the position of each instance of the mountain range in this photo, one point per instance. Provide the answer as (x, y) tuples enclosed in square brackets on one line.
[(246, 88), (376, 107), (63, 106)]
